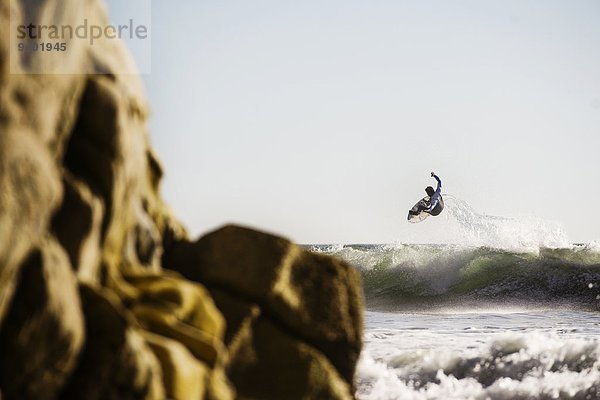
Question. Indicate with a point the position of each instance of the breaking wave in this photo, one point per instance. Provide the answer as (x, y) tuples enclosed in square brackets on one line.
[(524, 261), (512, 366), (419, 276), (505, 309)]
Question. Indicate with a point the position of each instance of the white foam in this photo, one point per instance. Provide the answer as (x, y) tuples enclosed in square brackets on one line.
[(510, 366), (593, 246)]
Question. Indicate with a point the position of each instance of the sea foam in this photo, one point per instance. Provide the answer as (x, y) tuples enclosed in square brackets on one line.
[(530, 365)]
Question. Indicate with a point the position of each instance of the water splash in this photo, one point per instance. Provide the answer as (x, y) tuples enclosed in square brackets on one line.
[(525, 233)]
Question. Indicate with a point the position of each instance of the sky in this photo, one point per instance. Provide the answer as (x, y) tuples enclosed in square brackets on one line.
[(321, 120)]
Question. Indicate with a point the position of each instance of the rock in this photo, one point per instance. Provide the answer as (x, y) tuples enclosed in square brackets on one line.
[(239, 315), (77, 227), (111, 164), (274, 365), (187, 334), (260, 349), (181, 310), (87, 309), (44, 330), (36, 114), (184, 376), (116, 362), (318, 298), (30, 192)]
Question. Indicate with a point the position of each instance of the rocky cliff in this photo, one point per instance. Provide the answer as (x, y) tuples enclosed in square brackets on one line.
[(102, 293)]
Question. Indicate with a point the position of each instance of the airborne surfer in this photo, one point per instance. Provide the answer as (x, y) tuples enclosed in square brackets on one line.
[(433, 204)]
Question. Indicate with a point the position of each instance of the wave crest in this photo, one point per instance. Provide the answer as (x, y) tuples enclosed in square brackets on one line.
[(412, 276)]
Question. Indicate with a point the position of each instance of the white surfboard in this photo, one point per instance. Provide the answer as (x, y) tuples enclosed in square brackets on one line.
[(414, 218)]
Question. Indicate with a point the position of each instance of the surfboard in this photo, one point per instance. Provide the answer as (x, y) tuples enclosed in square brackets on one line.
[(414, 218)]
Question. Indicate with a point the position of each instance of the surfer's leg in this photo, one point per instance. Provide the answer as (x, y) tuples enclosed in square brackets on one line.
[(422, 206)]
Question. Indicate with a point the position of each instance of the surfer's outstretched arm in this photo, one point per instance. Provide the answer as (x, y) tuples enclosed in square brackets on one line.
[(439, 181), (438, 193)]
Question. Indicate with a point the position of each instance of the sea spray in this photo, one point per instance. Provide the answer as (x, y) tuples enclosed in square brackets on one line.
[(525, 233)]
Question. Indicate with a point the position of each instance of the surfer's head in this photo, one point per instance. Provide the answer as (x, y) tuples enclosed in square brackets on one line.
[(429, 190)]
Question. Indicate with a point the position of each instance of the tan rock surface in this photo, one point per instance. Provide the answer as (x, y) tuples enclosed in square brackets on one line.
[(184, 376), (274, 365), (181, 310), (45, 315), (116, 362), (316, 297)]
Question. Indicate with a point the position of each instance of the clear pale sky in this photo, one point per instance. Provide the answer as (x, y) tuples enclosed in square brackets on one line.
[(321, 120)]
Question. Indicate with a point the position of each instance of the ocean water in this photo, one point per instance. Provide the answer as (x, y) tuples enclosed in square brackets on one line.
[(488, 354), (508, 310)]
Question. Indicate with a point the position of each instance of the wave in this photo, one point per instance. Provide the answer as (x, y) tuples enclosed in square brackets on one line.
[(513, 366), (489, 260), (411, 276)]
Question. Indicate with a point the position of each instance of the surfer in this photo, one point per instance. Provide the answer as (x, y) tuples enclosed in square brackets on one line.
[(434, 203)]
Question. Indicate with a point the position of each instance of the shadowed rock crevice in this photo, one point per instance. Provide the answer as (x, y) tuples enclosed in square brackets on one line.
[(76, 225), (92, 148), (116, 362)]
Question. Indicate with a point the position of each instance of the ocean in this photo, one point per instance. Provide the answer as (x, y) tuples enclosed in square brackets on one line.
[(509, 310)]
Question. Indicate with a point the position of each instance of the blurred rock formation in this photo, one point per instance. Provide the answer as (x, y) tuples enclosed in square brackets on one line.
[(102, 293)]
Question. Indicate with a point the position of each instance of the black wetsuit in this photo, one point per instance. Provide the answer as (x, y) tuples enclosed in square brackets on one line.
[(433, 205)]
